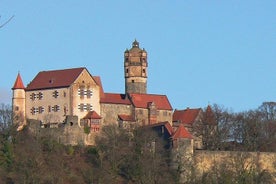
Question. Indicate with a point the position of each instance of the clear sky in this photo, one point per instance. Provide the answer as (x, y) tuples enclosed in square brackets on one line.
[(199, 52)]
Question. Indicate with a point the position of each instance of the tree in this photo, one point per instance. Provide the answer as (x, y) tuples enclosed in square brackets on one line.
[(3, 24), (137, 157)]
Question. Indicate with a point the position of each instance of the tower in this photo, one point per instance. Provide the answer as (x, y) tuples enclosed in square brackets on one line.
[(18, 101), (135, 65)]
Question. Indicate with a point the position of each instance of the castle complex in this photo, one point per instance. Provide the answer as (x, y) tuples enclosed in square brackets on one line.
[(69, 101), (53, 96)]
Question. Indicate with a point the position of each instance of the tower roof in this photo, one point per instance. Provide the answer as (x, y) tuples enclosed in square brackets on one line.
[(135, 47), (181, 132), (92, 115), (135, 43), (18, 84)]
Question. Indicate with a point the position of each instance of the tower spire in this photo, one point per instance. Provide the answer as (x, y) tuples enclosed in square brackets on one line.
[(18, 84)]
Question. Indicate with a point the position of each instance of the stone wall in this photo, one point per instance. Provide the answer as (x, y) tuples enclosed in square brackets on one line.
[(110, 112), (205, 161), (69, 132)]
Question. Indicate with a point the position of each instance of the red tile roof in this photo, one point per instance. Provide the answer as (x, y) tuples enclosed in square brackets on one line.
[(166, 124), (125, 117), (114, 98), (142, 101), (18, 84), (92, 115), (181, 132), (55, 78), (187, 116)]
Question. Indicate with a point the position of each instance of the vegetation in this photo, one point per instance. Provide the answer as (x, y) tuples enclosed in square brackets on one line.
[(139, 156)]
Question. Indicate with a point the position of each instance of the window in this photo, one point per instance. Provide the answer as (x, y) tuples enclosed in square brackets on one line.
[(40, 110), (55, 108), (32, 96), (126, 70), (85, 107), (89, 93), (40, 95), (64, 94), (81, 107), (55, 94), (16, 108), (34, 110), (132, 81), (144, 71), (81, 92), (49, 108)]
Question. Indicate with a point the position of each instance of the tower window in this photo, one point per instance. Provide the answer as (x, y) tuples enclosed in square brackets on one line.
[(132, 81), (126, 70), (144, 71), (16, 108)]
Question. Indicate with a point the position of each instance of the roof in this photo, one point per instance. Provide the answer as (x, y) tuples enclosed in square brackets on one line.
[(115, 98), (181, 132), (142, 100), (55, 78), (166, 124), (187, 116), (18, 84), (125, 117), (209, 116), (92, 115)]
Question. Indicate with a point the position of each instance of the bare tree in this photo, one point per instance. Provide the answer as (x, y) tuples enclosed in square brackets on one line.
[(6, 22)]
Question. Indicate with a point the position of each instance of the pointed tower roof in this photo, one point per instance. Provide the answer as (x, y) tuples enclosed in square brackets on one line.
[(181, 132), (210, 116), (18, 84)]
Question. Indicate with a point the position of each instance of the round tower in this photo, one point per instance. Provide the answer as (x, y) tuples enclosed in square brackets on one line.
[(18, 101), (135, 65)]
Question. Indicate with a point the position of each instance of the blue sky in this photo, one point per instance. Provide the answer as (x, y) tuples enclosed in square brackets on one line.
[(199, 52)]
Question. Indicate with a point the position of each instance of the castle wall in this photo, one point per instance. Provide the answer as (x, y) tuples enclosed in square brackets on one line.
[(47, 105), (205, 161), (68, 133), (110, 112), (164, 115)]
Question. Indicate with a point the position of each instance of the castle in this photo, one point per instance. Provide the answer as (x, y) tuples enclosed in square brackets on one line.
[(53, 96), (69, 101)]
